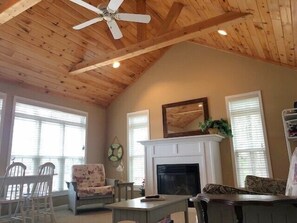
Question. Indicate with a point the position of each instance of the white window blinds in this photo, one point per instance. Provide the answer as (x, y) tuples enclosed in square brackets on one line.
[(138, 130), (1, 108), (42, 134), (249, 141), (1, 114)]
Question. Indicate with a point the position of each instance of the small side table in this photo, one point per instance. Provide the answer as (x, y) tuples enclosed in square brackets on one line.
[(125, 185)]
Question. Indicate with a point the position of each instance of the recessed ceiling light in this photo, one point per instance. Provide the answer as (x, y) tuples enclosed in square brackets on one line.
[(222, 32), (116, 64)]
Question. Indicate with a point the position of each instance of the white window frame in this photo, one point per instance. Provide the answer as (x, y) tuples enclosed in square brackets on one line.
[(243, 96), (18, 99), (128, 153), (3, 97)]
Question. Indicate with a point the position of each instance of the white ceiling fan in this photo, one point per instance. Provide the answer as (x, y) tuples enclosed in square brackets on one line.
[(110, 13)]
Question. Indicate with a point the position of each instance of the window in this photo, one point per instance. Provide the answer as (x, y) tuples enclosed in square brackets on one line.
[(1, 106), (250, 148), (2, 97), (43, 133), (138, 130)]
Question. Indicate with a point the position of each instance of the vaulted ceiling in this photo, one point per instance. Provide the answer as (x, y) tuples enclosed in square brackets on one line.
[(40, 50)]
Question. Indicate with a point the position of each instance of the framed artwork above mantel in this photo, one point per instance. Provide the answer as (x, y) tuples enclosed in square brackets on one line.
[(182, 118)]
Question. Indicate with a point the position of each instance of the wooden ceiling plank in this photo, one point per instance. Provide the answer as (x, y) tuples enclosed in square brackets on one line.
[(259, 29), (49, 26), (118, 44), (38, 41), (38, 72), (72, 17), (279, 36), (251, 31), (273, 48), (11, 8), (236, 33), (37, 52), (205, 38), (171, 18), (25, 75), (62, 24), (141, 27), (245, 36), (162, 41), (231, 41), (219, 41), (52, 40), (274, 9), (104, 77), (287, 24), (58, 92), (294, 22), (94, 79)]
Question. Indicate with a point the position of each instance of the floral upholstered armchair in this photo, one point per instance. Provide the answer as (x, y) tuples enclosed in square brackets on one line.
[(89, 185), (253, 185)]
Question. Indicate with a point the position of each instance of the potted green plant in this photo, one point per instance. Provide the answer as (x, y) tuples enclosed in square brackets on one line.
[(219, 126)]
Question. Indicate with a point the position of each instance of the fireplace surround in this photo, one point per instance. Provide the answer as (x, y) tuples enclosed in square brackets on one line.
[(202, 150)]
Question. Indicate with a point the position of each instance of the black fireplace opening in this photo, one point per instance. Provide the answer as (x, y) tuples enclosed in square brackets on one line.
[(179, 179)]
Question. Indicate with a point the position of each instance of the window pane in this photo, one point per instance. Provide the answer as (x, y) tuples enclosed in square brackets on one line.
[(138, 124), (1, 107), (51, 139), (249, 145), (74, 141), (47, 135), (25, 137)]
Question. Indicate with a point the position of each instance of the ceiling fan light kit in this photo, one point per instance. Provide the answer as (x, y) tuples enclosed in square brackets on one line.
[(110, 14)]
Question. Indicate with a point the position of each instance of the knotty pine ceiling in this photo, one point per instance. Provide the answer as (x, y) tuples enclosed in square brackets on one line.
[(39, 48)]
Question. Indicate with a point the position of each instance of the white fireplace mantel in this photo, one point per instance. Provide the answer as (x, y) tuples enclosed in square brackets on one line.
[(201, 149)]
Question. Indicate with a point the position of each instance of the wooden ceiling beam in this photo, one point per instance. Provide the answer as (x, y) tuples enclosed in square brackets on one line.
[(171, 17), (12, 8), (167, 39)]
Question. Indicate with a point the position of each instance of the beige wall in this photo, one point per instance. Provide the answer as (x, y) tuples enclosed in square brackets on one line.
[(189, 71), (96, 121)]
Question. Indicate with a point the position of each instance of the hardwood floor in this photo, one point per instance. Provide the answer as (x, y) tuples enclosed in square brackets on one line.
[(100, 215)]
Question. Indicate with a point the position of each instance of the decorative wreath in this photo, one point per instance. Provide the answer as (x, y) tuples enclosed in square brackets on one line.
[(115, 152)]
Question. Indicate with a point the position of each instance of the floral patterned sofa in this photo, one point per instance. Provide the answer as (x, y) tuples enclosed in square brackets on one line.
[(253, 185), (89, 185)]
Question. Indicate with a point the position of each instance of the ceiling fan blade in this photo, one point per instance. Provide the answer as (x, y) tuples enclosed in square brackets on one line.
[(87, 6), (114, 5), (133, 17), (87, 23), (114, 29)]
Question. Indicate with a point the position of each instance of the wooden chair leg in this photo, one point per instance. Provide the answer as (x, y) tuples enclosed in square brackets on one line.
[(53, 218)]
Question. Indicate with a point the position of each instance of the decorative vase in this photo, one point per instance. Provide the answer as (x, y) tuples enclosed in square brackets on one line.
[(213, 131)]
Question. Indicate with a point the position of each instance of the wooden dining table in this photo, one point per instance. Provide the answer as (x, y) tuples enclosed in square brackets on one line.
[(28, 181)]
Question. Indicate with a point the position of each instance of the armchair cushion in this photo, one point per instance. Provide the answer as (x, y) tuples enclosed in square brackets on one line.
[(264, 185), (224, 189), (91, 175), (93, 191)]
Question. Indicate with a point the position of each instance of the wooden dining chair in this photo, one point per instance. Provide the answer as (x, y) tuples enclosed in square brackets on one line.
[(39, 202), (11, 192)]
